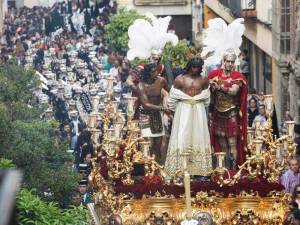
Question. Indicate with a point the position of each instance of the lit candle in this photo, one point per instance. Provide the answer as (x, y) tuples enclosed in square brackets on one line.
[(290, 129), (133, 124), (258, 144), (112, 148), (250, 133), (268, 99), (278, 151), (109, 133), (115, 106), (187, 188), (95, 136), (220, 158), (92, 120), (95, 101), (285, 145), (130, 105), (117, 129), (110, 84), (146, 148), (257, 130), (257, 124)]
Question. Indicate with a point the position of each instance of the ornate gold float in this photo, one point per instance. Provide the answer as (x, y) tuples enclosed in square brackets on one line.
[(122, 148)]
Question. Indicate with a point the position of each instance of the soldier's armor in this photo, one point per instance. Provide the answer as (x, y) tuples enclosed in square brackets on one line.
[(225, 102)]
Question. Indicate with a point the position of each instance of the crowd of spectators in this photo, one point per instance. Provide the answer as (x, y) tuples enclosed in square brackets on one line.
[(65, 45)]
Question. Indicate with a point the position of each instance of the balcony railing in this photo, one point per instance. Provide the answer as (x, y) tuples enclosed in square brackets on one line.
[(240, 8)]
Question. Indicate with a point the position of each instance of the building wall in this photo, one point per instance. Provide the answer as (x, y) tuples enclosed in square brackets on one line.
[(208, 15), (264, 11), (2, 14), (159, 10), (256, 32), (19, 3), (181, 14), (260, 40), (293, 75), (31, 3)]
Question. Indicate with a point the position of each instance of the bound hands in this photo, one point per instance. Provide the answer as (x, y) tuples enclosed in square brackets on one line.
[(166, 110), (216, 87), (129, 81)]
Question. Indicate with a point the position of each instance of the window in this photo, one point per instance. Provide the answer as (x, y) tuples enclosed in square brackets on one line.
[(11, 4), (267, 72), (248, 4), (267, 67), (285, 26)]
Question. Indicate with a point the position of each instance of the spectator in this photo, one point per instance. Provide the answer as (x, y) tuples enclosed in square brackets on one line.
[(291, 177), (252, 111), (297, 139), (261, 117), (85, 195), (293, 215)]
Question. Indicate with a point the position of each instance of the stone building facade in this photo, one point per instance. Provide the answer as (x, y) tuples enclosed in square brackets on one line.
[(293, 78)]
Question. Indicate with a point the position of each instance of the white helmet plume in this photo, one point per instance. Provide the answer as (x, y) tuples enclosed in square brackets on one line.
[(146, 37), (219, 38)]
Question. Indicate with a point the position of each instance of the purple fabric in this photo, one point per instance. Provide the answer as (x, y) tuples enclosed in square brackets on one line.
[(289, 180)]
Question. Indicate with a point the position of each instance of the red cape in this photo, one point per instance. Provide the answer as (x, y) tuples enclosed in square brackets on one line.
[(242, 138)]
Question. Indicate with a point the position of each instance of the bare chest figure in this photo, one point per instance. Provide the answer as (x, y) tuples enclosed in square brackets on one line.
[(193, 86), (153, 91)]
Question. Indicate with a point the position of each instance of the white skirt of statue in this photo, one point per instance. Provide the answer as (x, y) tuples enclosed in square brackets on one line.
[(189, 133)]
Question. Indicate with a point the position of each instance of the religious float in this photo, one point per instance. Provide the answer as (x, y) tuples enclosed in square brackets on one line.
[(128, 183), (129, 186)]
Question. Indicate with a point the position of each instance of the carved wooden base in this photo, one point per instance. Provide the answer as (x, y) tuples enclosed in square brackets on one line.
[(233, 210)]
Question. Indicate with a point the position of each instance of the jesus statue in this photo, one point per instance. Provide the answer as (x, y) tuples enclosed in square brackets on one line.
[(189, 96)]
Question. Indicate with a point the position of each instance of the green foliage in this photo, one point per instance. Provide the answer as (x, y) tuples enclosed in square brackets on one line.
[(16, 85), (42, 159), (6, 164), (115, 33), (138, 61), (33, 211), (178, 55), (30, 143)]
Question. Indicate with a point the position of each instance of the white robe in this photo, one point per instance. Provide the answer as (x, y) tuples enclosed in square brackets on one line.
[(189, 133)]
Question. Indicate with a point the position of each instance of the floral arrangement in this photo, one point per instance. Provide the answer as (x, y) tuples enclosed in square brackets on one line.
[(150, 186)]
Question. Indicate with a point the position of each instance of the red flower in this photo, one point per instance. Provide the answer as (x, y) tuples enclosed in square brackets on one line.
[(152, 180), (103, 167), (121, 151), (150, 185)]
